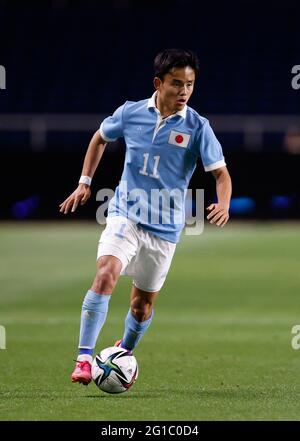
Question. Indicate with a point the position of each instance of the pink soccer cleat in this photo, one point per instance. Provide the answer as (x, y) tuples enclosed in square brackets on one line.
[(82, 373)]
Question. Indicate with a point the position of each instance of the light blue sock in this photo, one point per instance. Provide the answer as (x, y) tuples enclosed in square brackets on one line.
[(93, 315), (134, 330)]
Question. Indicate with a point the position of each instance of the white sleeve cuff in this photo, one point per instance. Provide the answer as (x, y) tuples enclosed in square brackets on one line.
[(215, 165), (104, 137)]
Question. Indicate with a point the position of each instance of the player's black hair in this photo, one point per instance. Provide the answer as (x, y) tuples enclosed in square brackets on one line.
[(166, 60)]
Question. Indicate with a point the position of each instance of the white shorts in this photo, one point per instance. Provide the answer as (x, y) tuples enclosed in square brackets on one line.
[(144, 256)]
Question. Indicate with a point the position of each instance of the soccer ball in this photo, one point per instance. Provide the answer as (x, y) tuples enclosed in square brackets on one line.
[(114, 370)]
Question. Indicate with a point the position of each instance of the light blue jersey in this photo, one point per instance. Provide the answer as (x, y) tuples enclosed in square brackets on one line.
[(161, 156)]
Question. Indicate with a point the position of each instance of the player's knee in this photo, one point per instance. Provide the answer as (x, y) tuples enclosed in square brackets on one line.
[(105, 280), (141, 310)]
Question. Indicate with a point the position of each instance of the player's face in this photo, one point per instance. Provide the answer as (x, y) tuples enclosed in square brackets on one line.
[(176, 89)]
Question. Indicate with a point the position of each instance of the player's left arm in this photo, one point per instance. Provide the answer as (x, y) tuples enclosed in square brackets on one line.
[(219, 212)]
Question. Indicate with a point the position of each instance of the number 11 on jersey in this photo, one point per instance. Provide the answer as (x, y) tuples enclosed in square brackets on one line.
[(154, 173)]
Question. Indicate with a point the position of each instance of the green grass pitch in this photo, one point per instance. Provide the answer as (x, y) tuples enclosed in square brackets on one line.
[(219, 347)]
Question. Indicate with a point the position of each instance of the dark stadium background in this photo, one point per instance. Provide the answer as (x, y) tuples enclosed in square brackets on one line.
[(71, 63)]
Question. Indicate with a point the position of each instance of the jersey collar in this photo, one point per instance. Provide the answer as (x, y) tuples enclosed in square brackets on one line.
[(151, 104)]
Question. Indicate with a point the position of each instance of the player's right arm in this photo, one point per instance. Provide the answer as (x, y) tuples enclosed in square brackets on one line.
[(92, 158)]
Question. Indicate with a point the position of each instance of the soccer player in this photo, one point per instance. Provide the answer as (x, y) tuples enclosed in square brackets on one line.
[(164, 139)]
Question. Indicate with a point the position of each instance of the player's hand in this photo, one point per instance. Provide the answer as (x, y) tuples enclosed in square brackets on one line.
[(218, 215), (79, 196)]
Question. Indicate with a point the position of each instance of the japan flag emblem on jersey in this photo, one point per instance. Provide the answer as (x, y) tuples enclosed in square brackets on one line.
[(179, 139)]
